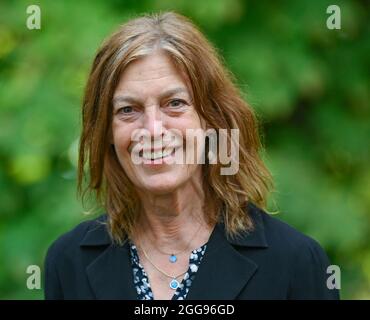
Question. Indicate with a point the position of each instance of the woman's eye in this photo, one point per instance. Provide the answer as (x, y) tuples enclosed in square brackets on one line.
[(176, 103), (126, 110)]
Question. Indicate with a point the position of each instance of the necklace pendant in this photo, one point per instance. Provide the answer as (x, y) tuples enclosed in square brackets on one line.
[(173, 258), (174, 284)]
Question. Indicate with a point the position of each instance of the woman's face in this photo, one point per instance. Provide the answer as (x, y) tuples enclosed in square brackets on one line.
[(154, 97)]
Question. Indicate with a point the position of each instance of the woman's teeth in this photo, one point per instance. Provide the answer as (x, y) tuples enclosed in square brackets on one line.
[(157, 154)]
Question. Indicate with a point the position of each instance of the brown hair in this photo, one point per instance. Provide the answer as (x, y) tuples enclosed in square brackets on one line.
[(217, 100)]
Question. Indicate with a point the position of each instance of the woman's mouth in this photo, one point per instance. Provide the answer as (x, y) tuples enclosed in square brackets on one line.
[(165, 156), (155, 155)]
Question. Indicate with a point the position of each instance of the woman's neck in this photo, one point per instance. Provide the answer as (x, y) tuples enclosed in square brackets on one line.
[(172, 221)]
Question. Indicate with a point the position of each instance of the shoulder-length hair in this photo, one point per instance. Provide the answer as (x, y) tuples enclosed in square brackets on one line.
[(217, 100)]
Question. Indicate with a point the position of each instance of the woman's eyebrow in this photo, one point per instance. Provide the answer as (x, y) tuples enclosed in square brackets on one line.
[(166, 94), (123, 98), (171, 92)]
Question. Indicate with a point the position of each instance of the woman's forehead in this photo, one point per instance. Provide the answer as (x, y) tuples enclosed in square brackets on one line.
[(150, 67), (152, 74)]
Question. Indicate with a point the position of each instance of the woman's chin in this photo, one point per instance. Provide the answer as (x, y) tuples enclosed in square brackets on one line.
[(160, 185), (159, 189)]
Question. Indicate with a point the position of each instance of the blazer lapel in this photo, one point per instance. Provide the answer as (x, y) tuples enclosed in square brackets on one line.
[(110, 275), (223, 271)]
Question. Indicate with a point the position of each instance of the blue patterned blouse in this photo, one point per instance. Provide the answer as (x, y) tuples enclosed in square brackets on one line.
[(141, 280)]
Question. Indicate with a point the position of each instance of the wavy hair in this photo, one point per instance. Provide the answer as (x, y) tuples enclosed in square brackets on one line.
[(217, 100)]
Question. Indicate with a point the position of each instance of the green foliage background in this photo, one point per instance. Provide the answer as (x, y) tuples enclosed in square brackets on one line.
[(309, 85)]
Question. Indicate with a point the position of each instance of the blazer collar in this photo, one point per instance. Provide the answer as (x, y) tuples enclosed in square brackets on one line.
[(223, 273), (255, 238)]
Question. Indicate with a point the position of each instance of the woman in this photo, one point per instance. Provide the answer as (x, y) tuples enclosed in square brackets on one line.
[(176, 228)]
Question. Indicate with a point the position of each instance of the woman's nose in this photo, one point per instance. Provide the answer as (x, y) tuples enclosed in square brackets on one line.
[(153, 121)]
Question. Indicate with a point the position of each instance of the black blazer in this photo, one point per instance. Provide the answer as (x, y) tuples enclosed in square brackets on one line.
[(273, 262)]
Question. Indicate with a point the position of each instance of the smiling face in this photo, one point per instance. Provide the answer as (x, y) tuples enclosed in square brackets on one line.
[(154, 96)]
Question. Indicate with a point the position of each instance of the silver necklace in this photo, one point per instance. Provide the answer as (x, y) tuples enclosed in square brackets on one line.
[(173, 256), (174, 284)]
